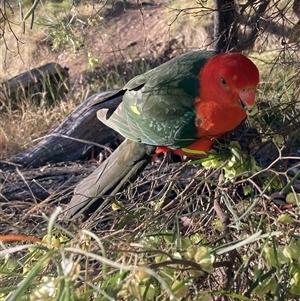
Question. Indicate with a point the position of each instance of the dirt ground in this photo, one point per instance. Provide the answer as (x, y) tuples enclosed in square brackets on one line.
[(119, 34)]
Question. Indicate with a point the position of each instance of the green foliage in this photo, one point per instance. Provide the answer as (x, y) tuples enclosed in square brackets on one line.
[(62, 32), (282, 263), (163, 265), (237, 163)]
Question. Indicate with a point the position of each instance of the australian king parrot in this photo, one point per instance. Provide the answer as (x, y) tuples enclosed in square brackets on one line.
[(180, 106)]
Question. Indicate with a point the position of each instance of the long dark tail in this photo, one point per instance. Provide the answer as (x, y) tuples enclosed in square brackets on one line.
[(121, 168)]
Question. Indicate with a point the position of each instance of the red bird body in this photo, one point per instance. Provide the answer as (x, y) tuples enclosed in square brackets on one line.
[(185, 103), (182, 106)]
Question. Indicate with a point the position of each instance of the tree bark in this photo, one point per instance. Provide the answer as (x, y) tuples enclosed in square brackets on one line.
[(48, 82), (227, 19), (75, 137), (37, 184), (225, 25)]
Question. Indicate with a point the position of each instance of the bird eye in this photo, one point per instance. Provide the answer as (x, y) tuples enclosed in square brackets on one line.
[(223, 81)]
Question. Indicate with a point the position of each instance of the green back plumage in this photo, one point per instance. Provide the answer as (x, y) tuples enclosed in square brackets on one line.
[(158, 106)]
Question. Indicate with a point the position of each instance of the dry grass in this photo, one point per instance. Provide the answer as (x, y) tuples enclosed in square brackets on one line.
[(172, 210), (21, 128)]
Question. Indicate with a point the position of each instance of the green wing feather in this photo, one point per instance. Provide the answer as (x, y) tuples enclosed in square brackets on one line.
[(158, 106)]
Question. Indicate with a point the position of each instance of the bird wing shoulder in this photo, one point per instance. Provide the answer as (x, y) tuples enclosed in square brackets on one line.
[(161, 101)]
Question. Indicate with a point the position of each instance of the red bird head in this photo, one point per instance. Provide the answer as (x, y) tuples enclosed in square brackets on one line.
[(228, 84), (234, 79)]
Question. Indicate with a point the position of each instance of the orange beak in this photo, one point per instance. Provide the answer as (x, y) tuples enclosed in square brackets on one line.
[(247, 101), (247, 98)]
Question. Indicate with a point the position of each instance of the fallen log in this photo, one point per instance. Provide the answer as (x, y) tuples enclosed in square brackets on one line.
[(37, 184), (75, 138), (35, 175), (45, 83)]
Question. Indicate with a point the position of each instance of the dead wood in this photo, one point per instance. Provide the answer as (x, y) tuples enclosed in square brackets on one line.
[(33, 174), (37, 184), (75, 138), (45, 83)]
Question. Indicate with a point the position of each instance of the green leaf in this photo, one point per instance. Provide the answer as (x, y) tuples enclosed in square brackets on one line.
[(285, 219), (252, 238), (233, 295), (27, 282)]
